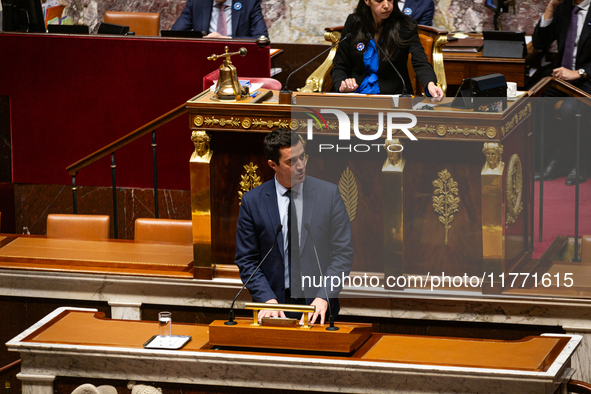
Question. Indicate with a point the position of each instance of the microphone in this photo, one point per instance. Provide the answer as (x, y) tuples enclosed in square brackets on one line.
[(285, 89), (231, 321), (404, 93), (331, 317)]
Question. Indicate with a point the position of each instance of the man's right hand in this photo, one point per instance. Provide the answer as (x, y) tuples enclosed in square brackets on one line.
[(271, 313)]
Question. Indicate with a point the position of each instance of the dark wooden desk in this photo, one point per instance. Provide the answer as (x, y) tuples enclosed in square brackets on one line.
[(467, 65), (81, 344)]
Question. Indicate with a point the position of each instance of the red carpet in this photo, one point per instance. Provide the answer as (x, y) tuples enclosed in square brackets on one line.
[(559, 212)]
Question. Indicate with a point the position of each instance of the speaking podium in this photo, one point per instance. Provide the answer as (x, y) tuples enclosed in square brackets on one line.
[(288, 334), (475, 223)]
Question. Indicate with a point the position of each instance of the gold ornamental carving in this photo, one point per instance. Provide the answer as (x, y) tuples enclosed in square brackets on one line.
[(393, 149), (493, 151), (441, 130), (202, 151), (223, 122), (445, 200), (516, 119), (467, 131), (249, 181), (349, 193), (261, 123), (246, 123), (427, 129), (491, 132), (198, 120), (514, 190)]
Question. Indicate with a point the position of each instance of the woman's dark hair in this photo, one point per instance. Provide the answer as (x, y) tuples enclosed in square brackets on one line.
[(390, 38), (277, 139)]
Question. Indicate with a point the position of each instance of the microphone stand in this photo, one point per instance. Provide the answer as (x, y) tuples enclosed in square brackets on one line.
[(285, 93), (331, 327), (231, 321), (404, 96)]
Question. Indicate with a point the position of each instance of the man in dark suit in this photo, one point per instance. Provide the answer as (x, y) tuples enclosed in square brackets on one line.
[(421, 11), (569, 23), (304, 201), (243, 18)]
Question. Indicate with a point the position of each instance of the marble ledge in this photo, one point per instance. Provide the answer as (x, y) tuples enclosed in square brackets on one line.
[(252, 370), (219, 293)]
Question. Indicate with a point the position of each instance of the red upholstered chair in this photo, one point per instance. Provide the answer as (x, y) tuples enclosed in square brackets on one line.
[(78, 226), (164, 231), (141, 23), (268, 83)]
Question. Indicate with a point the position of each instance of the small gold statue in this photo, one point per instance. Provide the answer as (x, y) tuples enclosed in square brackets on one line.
[(201, 140), (494, 153)]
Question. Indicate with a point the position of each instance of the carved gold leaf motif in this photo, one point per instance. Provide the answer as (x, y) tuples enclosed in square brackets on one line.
[(445, 202), (249, 181), (348, 189), (514, 190)]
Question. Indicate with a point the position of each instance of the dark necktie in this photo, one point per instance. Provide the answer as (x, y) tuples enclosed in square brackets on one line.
[(293, 246), (571, 36), (222, 27)]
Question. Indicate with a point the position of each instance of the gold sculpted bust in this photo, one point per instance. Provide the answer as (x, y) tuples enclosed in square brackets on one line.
[(493, 152), (394, 151), (201, 141)]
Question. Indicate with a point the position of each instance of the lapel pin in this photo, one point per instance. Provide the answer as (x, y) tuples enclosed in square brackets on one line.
[(360, 46), (407, 11), (238, 6)]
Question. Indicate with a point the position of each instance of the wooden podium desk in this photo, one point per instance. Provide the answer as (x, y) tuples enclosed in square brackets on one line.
[(468, 65), (396, 228), (79, 343)]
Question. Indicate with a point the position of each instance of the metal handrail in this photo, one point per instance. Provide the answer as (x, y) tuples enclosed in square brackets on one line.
[(118, 144), (121, 142)]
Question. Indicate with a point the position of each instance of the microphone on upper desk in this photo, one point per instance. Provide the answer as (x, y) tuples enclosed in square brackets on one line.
[(231, 321), (285, 87), (331, 317), (404, 92)]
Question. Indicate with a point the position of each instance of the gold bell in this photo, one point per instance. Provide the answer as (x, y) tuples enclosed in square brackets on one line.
[(228, 86)]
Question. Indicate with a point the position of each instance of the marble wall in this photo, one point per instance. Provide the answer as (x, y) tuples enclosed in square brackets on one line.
[(303, 21)]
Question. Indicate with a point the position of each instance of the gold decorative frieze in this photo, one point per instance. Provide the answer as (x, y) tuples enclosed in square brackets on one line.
[(491, 132), (234, 122), (514, 190), (249, 181), (260, 123), (516, 119), (478, 131), (427, 129), (246, 123), (348, 189), (198, 120), (445, 200)]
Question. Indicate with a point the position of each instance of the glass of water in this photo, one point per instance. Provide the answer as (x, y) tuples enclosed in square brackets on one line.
[(165, 326)]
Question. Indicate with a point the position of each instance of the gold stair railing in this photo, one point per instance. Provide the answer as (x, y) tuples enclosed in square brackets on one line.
[(120, 143)]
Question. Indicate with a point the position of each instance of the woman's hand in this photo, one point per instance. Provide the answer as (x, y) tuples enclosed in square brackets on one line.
[(435, 91), (348, 85)]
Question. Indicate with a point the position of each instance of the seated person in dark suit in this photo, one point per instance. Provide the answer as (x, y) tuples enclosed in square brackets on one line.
[(567, 21), (243, 18), (293, 197), (359, 65), (421, 11)]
